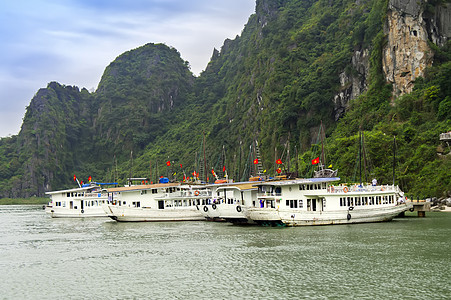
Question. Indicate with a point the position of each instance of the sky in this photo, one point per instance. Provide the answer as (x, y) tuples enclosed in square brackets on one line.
[(72, 41)]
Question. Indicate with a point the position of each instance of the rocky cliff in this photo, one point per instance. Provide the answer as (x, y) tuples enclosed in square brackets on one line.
[(410, 26)]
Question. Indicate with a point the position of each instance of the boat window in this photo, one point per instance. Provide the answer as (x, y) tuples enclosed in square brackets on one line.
[(301, 203), (68, 195), (278, 191), (309, 204), (154, 191), (292, 203), (314, 204)]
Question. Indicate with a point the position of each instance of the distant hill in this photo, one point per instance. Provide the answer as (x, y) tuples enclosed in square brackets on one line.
[(382, 67)]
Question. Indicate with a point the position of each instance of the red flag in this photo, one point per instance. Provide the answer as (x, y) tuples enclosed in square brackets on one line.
[(279, 170), (181, 166), (223, 169), (75, 178), (89, 178), (279, 161), (255, 161), (212, 171), (315, 161), (168, 163)]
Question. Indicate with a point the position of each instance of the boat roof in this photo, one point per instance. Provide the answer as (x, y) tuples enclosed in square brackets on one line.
[(247, 185), (79, 189), (143, 187), (240, 186), (297, 181)]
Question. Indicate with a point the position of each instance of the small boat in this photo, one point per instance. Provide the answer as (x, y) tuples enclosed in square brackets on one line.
[(158, 202), (82, 202), (316, 201)]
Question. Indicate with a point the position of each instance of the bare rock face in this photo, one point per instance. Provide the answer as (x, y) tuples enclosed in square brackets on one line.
[(407, 53), (410, 25), (354, 84)]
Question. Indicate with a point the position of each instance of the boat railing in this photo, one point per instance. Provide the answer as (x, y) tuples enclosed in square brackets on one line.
[(95, 195), (269, 194), (188, 194), (362, 188)]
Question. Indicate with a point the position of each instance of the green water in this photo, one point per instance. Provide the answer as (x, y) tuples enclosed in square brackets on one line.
[(44, 258)]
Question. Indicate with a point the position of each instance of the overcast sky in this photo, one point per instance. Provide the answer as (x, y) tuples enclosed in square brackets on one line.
[(72, 41)]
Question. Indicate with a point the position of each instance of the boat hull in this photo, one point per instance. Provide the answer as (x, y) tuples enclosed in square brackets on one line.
[(303, 218), (94, 212), (142, 214), (234, 213), (210, 212)]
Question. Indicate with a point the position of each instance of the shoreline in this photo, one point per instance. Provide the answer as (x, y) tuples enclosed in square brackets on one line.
[(447, 209)]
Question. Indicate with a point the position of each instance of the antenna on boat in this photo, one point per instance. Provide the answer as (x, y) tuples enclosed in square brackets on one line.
[(131, 165), (360, 157), (394, 158), (297, 160)]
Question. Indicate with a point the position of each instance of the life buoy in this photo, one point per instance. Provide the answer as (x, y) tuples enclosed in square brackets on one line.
[(213, 206), (205, 209), (82, 211), (238, 208), (196, 193), (411, 209), (345, 189)]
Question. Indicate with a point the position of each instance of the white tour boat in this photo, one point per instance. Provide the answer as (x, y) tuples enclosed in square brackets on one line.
[(315, 201), (82, 202), (231, 201), (157, 202)]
